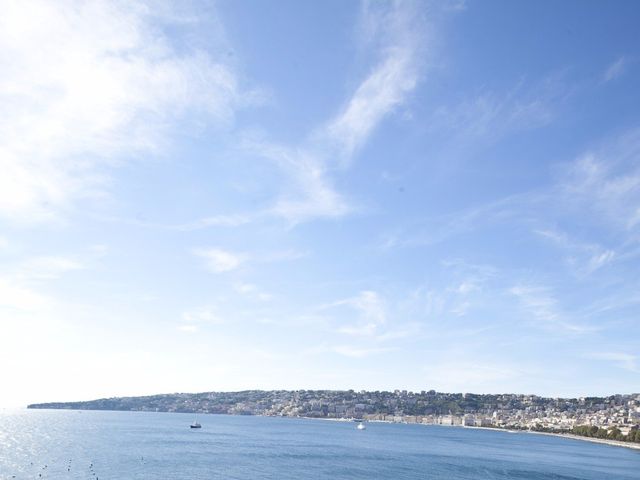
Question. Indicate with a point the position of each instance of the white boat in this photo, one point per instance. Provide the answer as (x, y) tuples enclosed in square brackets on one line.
[(361, 426)]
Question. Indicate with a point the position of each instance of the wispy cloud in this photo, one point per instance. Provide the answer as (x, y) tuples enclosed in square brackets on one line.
[(622, 360), (358, 352), (15, 297), (599, 190), (359, 326), (605, 181), (585, 257), (24, 283), (615, 69), (465, 376), (371, 312), (83, 83), (214, 221), (347, 350), (25, 299), (283, 255), (540, 305), (467, 288), (309, 191), (491, 115), (188, 328), (252, 291), (429, 231), (48, 268), (395, 33), (219, 260), (193, 320)]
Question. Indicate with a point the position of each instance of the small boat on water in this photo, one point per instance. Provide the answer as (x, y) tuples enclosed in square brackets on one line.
[(195, 425), (361, 425)]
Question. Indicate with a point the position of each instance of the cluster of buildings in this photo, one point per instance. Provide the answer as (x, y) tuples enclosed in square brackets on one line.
[(500, 411), (623, 417)]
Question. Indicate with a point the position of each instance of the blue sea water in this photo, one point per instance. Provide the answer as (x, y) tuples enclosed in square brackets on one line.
[(132, 445)]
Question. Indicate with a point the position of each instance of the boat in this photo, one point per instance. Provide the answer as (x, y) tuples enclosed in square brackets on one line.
[(361, 426), (195, 425)]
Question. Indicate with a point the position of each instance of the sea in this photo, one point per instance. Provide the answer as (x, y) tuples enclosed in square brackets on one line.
[(101, 445)]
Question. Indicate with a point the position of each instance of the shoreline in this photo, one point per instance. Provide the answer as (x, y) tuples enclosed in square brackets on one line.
[(602, 441), (570, 436)]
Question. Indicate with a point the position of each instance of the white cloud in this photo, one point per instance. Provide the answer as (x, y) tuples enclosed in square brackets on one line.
[(457, 5), (461, 308), (192, 320), (585, 257), (604, 182), (363, 321), (490, 115), (375, 97), (188, 328), (442, 305), (48, 267), (99, 249), (600, 259), (430, 231), (252, 291), (201, 315), (20, 284), (346, 350), (466, 287), (309, 190), (465, 376), (370, 305), (597, 194), (358, 352), (16, 297), (283, 255), (395, 35), (371, 311), (30, 317), (83, 82), (245, 288), (215, 221), (625, 361), (219, 260), (615, 69), (395, 28), (538, 303), (537, 300)]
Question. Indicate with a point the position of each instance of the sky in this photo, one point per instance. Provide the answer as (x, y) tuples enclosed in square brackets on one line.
[(216, 196)]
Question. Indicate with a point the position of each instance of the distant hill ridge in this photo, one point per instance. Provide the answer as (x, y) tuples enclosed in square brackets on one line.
[(342, 403)]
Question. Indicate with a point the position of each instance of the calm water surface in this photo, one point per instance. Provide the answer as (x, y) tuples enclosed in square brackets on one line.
[(130, 445)]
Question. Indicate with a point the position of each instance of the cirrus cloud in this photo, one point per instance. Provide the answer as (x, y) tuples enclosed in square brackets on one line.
[(85, 84)]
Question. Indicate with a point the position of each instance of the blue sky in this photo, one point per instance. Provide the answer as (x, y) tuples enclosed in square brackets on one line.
[(377, 195)]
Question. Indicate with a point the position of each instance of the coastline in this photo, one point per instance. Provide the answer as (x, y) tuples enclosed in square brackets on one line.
[(570, 436), (602, 441)]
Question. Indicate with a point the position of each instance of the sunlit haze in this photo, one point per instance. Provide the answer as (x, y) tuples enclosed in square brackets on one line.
[(200, 196)]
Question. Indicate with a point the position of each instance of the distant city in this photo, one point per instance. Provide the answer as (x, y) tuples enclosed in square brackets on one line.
[(615, 417)]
